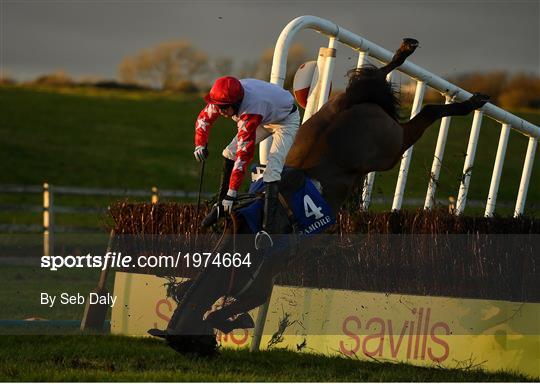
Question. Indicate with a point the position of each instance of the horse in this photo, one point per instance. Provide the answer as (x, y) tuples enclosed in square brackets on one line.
[(356, 132)]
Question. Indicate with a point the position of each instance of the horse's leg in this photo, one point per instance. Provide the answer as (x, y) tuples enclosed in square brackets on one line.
[(187, 332), (220, 318), (256, 294), (408, 46), (414, 128), (211, 284), (187, 319)]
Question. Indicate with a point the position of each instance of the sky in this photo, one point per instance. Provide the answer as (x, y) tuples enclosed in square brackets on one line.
[(90, 38)]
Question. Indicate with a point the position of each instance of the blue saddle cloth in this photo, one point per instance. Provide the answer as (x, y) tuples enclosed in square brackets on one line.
[(311, 212)]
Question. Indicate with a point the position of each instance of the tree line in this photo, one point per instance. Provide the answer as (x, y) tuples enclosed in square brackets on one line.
[(179, 66)]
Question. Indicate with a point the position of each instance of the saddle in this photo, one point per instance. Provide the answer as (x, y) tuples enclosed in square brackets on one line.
[(304, 209)]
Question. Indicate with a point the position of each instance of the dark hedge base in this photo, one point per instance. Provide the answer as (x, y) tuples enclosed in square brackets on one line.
[(412, 269)]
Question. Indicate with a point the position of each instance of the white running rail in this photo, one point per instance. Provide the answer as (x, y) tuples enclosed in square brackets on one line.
[(423, 78)]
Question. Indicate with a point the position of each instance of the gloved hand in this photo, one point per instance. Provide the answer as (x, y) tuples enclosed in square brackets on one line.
[(229, 200), (201, 153)]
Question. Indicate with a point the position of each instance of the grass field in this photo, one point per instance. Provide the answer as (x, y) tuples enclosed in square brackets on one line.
[(22, 285), (85, 137), (114, 358)]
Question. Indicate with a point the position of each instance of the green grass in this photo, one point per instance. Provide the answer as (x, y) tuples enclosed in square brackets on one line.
[(94, 138), (22, 285), (113, 141), (118, 139), (113, 358)]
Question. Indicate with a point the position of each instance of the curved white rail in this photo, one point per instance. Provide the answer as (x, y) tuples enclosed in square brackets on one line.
[(359, 43), (423, 78)]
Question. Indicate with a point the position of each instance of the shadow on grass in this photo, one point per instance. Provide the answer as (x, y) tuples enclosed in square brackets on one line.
[(117, 358)]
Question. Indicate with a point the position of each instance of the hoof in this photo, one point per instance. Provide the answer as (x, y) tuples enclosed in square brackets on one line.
[(478, 100), (162, 334), (198, 345), (408, 46), (410, 43)]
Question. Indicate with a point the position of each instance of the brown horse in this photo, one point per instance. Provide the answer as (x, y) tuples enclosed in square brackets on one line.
[(354, 133)]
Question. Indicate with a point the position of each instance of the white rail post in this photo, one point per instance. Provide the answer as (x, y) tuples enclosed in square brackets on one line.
[(469, 162), (48, 220), (155, 195), (525, 177), (312, 104), (437, 159), (370, 177), (369, 180), (362, 58), (328, 71), (406, 159), (497, 171), (325, 68)]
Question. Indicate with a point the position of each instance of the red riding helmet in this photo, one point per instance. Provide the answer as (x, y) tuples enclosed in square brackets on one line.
[(226, 90)]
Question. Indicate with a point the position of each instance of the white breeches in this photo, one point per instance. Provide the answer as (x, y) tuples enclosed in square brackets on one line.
[(283, 133)]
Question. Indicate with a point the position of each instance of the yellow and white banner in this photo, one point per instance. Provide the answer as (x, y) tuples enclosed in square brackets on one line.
[(421, 330)]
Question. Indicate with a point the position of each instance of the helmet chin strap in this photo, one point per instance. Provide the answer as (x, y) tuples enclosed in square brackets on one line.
[(236, 107)]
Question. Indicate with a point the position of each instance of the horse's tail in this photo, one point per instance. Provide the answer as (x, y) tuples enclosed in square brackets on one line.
[(369, 85)]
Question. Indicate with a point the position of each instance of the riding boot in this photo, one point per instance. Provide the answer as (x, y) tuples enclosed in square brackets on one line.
[(271, 204), (217, 209)]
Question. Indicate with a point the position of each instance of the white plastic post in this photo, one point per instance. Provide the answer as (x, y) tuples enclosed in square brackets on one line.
[(437, 159), (325, 68), (48, 220), (328, 71), (525, 177), (497, 170), (362, 59), (259, 324), (312, 105), (406, 159), (369, 180), (469, 162)]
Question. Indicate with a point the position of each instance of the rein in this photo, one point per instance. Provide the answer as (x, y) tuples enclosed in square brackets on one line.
[(231, 279)]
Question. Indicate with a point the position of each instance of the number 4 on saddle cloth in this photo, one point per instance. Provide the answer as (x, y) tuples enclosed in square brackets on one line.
[(311, 212)]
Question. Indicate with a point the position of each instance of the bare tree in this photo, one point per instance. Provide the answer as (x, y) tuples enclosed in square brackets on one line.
[(166, 65), (58, 78), (127, 71), (223, 66), (521, 91)]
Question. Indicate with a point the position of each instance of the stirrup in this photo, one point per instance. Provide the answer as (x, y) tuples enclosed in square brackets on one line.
[(260, 238)]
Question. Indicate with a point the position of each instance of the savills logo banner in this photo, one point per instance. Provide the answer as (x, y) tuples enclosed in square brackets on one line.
[(422, 330)]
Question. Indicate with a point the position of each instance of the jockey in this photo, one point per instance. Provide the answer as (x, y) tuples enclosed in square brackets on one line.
[(260, 109)]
